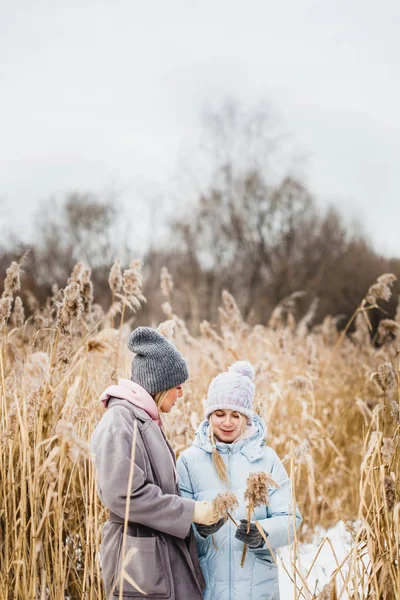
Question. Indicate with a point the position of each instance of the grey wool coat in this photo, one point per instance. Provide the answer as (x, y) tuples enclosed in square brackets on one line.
[(162, 556)]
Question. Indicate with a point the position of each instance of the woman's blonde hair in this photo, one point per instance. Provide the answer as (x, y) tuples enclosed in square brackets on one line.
[(159, 398), (216, 457)]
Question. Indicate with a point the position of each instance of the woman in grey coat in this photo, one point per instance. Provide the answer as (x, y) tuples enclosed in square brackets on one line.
[(160, 553)]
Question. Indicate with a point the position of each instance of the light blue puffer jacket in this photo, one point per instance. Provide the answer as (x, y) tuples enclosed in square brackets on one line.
[(220, 563)]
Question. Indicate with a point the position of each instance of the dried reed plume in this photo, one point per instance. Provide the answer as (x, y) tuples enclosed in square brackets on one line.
[(86, 290), (18, 314), (230, 315), (387, 449), (256, 492), (395, 412), (166, 282), (390, 492), (328, 592), (386, 376), (388, 330), (133, 283), (5, 310), (75, 446), (224, 503), (381, 289), (76, 273), (209, 333), (167, 310), (166, 328), (70, 309), (115, 277), (12, 281), (286, 307)]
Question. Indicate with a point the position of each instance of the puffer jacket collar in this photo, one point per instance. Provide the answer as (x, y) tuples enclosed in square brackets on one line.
[(251, 447)]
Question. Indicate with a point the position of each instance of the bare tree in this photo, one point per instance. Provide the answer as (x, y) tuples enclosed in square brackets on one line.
[(262, 237)]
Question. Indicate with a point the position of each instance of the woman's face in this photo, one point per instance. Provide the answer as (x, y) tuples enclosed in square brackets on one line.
[(227, 425), (170, 398)]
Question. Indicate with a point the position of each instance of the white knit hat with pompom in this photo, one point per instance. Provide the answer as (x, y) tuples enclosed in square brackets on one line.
[(232, 390)]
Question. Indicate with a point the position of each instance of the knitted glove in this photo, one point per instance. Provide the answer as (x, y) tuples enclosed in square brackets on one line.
[(253, 539), (206, 530)]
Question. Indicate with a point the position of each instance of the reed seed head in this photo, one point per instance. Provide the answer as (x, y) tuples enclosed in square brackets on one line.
[(387, 449), (395, 412), (167, 310), (386, 376), (224, 503), (18, 314), (256, 492), (12, 281), (132, 279), (115, 277), (86, 290), (5, 310), (166, 328), (166, 282), (76, 273), (381, 289), (388, 330), (70, 308), (390, 492)]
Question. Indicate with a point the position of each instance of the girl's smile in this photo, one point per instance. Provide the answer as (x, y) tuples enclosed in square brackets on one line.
[(227, 425)]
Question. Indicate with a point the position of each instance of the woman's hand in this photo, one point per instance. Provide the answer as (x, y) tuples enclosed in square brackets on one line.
[(253, 539), (206, 530), (204, 513)]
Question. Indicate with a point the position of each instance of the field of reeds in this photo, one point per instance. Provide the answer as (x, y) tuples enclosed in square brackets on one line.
[(330, 400)]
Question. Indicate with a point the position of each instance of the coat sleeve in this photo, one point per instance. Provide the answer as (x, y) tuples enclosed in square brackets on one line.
[(281, 520), (185, 484), (148, 505)]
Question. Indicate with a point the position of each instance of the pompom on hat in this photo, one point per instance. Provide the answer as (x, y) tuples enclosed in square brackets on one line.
[(232, 390), (157, 365)]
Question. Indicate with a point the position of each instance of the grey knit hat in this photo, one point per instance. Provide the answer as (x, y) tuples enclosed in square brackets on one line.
[(158, 365), (233, 390)]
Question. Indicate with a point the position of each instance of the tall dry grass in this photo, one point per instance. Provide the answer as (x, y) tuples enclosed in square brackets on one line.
[(331, 402)]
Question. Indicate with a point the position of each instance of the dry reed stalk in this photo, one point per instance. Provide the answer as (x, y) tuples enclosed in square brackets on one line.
[(256, 494)]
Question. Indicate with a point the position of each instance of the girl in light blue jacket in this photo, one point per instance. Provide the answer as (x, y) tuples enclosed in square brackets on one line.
[(229, 445)]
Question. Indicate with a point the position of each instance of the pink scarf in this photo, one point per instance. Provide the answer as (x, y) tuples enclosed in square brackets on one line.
[(135, 393)]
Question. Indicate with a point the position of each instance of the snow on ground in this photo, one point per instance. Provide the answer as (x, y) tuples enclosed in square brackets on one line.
[(326, 563)]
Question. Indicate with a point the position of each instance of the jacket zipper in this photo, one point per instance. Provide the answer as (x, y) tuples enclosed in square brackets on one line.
[(229, 529)]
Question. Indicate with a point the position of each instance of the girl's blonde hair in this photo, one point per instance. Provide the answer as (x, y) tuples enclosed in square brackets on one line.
[(159, 398), (216, 457)]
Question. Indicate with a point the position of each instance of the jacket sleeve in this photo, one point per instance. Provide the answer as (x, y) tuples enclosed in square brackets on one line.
[(148, 505), (185, 484), (280, 521)]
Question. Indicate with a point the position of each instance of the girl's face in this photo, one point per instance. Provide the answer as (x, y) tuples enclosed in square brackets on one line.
[(227, 425), (171, 397)]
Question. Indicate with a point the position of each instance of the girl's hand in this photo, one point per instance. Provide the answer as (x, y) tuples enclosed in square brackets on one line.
[(204, 513), (253, 539), (206, 530)]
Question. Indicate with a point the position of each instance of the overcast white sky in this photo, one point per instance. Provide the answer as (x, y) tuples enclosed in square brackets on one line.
[(101, 92)]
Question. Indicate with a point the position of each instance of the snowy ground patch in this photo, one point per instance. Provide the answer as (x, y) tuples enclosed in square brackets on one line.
[(333, 552)]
